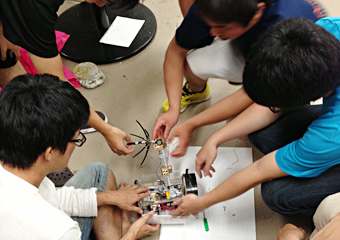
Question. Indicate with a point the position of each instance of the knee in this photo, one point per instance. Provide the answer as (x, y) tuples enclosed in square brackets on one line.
[(96, 167), (278, 198), (327, 209), (111, 183), (261, 142), (271, 197), (187, 70)]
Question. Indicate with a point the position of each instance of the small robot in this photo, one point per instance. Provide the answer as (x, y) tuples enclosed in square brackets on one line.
[(165, 189)]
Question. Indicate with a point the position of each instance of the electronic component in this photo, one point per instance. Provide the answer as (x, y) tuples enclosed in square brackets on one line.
[(166, 188), (162, 197)]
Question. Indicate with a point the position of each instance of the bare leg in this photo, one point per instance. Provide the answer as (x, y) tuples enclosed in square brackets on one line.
[(108, 223), (196, 84), (125, 216), (7, 74)]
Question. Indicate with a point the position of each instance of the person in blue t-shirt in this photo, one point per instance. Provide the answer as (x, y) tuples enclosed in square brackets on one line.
[(293, 63), (212, 41)]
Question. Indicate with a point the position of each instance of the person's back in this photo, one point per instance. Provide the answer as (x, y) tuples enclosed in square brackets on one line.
[(27, 215)]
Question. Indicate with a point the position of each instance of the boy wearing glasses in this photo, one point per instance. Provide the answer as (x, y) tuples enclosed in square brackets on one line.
[(40, 118), (294, 63)]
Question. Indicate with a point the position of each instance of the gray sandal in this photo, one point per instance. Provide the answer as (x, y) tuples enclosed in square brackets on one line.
[(60, 177)]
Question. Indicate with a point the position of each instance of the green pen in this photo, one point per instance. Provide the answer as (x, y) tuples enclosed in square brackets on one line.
[(205, 222)]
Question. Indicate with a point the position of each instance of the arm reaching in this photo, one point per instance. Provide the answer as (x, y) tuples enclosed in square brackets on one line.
[(220, 111), (250, 120), (124, 198), (260, 171), (173, 79), (114, 136)]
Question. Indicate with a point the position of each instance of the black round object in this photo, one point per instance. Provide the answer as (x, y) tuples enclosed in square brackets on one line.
[(86, 24), (10, 60)]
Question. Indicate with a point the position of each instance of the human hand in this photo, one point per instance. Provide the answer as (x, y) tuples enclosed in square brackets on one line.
[(7, 45), (189, 204), (127, 195), (140, 229), (183, 131), (164, 124), (331, 231), (291, 232), (115, 138), (205, 158)]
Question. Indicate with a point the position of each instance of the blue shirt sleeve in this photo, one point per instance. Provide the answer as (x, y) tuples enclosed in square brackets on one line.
[(193, 31)]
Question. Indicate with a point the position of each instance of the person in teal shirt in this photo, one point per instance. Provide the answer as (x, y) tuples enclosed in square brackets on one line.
[(295, 62)]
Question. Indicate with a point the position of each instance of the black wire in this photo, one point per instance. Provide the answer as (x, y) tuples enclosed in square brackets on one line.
[(147, 145), (145, 132), (138, 136), (146, 153), (140, 151)]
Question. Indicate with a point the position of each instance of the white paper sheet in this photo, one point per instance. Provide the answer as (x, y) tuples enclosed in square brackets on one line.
[(122, 31), (233, 219)]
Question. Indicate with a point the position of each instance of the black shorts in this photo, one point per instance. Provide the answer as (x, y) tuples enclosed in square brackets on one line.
[(10, 60)]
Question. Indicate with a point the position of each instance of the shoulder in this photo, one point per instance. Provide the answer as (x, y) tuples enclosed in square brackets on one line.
[(193, 31), (331, 24)]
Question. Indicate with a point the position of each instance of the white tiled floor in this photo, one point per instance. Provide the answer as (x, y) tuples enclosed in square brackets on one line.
[(134, 89)]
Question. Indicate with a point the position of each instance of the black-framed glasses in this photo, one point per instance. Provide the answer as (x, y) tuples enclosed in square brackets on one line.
[(275, 109), (80, 140)]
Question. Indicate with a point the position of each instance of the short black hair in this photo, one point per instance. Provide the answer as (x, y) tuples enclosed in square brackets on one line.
[(229, 11), (37, 112), (293, 63), (123, 4)]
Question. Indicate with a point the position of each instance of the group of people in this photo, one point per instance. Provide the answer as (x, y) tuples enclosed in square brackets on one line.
[(286, 53)]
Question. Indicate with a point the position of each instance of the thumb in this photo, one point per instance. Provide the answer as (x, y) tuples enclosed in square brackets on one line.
[(127, 138), (155, 130), (129, 149), (147, 216), (167, 131)]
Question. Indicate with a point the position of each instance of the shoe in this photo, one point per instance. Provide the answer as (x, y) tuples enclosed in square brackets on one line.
[(60, 177), (189, 97), (88, 129)]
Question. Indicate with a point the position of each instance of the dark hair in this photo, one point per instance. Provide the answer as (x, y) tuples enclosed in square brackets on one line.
[(293, 63), (123, 4), (229, 11), (37, 112)]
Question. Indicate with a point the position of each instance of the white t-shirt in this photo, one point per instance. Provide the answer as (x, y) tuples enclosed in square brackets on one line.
[(31, 213)]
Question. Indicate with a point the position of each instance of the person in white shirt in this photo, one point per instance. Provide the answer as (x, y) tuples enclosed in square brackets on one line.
[(40, 118)]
